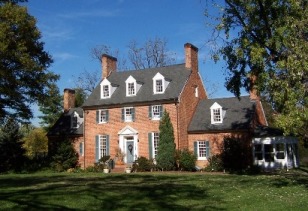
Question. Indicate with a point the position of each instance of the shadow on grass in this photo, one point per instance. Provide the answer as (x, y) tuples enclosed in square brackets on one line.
[(112, 192)]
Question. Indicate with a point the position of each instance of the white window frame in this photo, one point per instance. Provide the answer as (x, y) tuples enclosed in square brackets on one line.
[(156, 112), (81, 148), (75, 118), (154, 142), (105, 94), (164, 84), (131, 88), (102, 147), (102, 116), (128, 117), (216, 114), (159, 88), (202, 149)]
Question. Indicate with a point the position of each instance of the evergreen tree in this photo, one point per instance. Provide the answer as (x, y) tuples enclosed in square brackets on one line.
[(11, 152), (166, 146)]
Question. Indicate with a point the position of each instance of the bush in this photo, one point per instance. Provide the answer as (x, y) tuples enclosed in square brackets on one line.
[(186, 160), (215, 163), (142, 164)]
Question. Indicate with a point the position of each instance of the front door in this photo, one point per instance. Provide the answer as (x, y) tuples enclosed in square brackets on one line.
[(130, 150)]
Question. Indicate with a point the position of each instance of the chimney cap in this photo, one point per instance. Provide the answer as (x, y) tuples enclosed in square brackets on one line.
[(189, 45), (109, 57)]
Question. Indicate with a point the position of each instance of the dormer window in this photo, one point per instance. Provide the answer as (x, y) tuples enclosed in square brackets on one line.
[(107, 89), (131, 89), (159, 84), (76, 120), (216, 113), (132, 86)]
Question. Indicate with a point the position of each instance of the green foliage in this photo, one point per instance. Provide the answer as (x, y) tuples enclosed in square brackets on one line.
[(23, 63), (80, 97), (51, 107), (215, 163), (267, 40), (166, 145), (65, 156), (36, 143), (186, 160), (11, 151), (235, 155), (142, 164)]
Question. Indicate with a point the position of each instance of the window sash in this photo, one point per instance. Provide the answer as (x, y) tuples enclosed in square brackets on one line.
[(156, 111), (103, 116), (216, 115), (74, 122), (203, 149), (155, 144), (159, 86), (102, 146), (131, 89), (106, 92), (128, 114)]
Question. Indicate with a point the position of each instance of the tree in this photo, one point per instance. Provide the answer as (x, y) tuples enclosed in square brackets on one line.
[(24, 78), (166, 146), (11, 151), (51, 107), (36, 143), (265, 48)]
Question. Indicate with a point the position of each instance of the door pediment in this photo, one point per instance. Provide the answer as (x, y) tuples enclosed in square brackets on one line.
[(128, 131)]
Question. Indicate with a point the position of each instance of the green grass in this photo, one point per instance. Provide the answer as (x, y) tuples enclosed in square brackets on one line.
[(153, 191)]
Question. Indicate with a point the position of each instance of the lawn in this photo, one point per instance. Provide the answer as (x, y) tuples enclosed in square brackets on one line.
[(153, 191)]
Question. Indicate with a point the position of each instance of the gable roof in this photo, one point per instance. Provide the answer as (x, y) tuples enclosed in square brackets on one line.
[(63, 124), (176, 74), (237, 115)]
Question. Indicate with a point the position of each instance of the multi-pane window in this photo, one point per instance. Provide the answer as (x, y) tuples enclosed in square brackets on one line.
[(156, 111), (103, 116), (131, 89), (159, 86), (269, 152), (74, 122), (217, 115), (202, 149), (128, 114), (81, 149), (280, 151), (258, 152), (155, 143), (106, 92), (102, 146)]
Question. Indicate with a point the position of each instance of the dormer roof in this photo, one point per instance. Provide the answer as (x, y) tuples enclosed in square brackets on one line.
[(238, 114), (176, 74)]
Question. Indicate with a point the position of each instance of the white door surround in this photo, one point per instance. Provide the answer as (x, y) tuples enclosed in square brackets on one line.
[(128, 143)]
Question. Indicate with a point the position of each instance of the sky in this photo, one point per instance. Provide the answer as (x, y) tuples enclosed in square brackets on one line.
[(71, 28)]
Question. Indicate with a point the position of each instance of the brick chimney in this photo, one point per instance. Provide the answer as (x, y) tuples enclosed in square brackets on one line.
[(68, 99), (109, 64), (191, 57)]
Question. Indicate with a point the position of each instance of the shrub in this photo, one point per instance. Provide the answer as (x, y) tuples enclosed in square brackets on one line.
[(187, 160), (142, 164), (215, 163)]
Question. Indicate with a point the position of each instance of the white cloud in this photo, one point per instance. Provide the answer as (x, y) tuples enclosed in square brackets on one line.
[(63, 56), (91, 13)]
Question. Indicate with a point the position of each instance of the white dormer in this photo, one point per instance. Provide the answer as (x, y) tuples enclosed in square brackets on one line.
[(76, 120), (132, 86), (216, 113), (159, 84), (106, 89)]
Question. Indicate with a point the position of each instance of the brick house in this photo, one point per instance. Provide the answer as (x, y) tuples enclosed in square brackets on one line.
[(124, 110)]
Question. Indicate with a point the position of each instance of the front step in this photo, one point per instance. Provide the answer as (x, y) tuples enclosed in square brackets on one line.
[(118, 169)]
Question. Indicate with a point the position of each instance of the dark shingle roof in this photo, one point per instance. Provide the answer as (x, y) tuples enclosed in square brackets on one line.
[(63, 124), (238, 115), (176, 74)]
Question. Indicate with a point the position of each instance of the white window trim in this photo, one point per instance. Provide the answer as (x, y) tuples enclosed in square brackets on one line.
[(105, 82), (131, 115), (198, 152), (79, 120), (154, 149), (99, 116), (165, 83), (216, 106), (131, 80), (156, 117), (81, 148), (100, 150)]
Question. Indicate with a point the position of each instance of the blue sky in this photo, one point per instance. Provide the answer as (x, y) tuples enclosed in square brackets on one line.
[(71, 28)]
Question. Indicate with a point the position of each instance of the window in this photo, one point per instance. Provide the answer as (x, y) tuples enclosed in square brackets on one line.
[(130, 89), (202, 149), (258, 154), (101, 146), (106, 92), (159, 86), (75, 122), (269, 152), (153, 144), (216, 113), (102, 116), (155, 112), (81, 148), (128, 114), (279, 148)]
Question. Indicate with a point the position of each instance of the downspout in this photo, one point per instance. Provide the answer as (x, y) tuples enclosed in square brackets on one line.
[(177, 124), (84, 140)]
